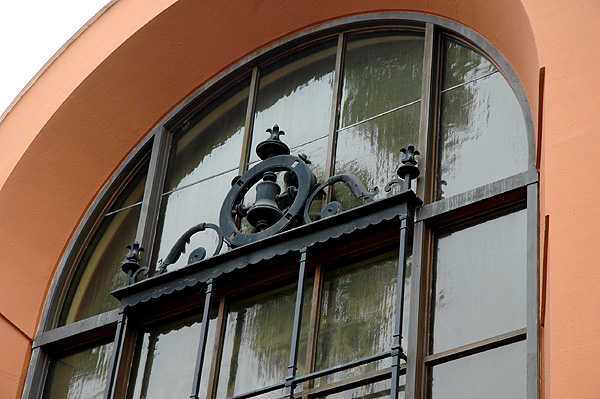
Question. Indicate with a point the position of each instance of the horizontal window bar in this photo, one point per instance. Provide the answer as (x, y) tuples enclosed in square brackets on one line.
[(378, 115), (476, 347), (380, 374), (477, 195), (124, 208), (470, 81), (88, 325), (350, 383), (259, 391), (342, 367)]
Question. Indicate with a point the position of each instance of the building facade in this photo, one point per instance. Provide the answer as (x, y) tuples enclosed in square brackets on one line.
[(136, 129)]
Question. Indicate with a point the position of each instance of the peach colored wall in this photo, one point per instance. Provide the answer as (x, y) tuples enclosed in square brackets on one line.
[(568, 38), (111, 86)]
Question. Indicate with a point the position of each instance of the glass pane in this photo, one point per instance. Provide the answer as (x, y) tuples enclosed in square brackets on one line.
[(382, 71), (463, 65), (371, 150), (99, 271), (100, 268), (186, 208), (480, 274), (482, 136), (79, 375), (165, 360), (295, 93), (214, 144), (495, 374), (357, 314), (256, 347)]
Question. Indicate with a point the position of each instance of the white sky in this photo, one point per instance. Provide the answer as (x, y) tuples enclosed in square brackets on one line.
[(31, 31)]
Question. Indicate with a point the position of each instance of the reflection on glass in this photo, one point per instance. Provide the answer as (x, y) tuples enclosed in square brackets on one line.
[(480, 275), (165, 360), (495, 374), (376, 390), (483, 136), (99, 271), (295, 93), (371, 150), (186, 208), (89, 295), (79, 375), (463, 65), (382, 71), (357, 314), (214, 144), (256, 347)]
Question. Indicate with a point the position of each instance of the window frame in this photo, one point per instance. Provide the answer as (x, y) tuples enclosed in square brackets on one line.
[(521, 189)]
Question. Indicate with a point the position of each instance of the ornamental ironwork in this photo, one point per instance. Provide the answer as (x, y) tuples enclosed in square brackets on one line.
[(285, 188)]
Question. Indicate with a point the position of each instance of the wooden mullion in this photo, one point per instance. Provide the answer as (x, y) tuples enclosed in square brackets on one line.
[(213, 376), (249, 123), (153, 192), (428, 117), (476, 347), (418, 331), (315, 312)]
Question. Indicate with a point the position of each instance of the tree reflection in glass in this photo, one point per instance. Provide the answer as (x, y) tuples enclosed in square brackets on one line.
[(256, 346), (165, 358), (482, 130), (79, 375), (357, 314)]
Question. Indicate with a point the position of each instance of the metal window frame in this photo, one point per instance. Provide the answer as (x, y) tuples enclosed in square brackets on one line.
[(509, 190)]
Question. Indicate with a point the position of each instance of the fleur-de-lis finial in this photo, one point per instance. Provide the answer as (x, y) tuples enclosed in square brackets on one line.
[(409, 155), (273, 145), (131, 265), (275, 133)]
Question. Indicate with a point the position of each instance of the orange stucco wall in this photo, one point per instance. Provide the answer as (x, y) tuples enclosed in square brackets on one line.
[(68, 133)]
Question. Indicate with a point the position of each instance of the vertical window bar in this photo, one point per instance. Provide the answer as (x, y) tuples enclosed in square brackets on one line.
[(418, 320), (116, 356), (292, 368), (428, 118), (417, 328), (397, 350), (335, 109), (153, 191), (311, 346), (249, 127), (203, 337), (213, 378), (533, 279)]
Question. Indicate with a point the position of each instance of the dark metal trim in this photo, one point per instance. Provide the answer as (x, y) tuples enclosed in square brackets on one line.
[(203, 338), (378, 213), (290, 384), (397, 350)]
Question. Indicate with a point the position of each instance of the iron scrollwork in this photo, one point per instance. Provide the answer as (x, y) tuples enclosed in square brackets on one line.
[(275, 209)]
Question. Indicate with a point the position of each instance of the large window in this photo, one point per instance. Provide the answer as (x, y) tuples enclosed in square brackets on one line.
[(348, 100)]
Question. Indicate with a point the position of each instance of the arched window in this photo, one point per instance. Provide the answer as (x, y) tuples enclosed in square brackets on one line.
[(349, 97)]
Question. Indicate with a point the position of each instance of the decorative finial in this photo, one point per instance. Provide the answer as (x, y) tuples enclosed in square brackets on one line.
[(410, 153), (273, 145), (275, 133), (131, 265), (409, 170)]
